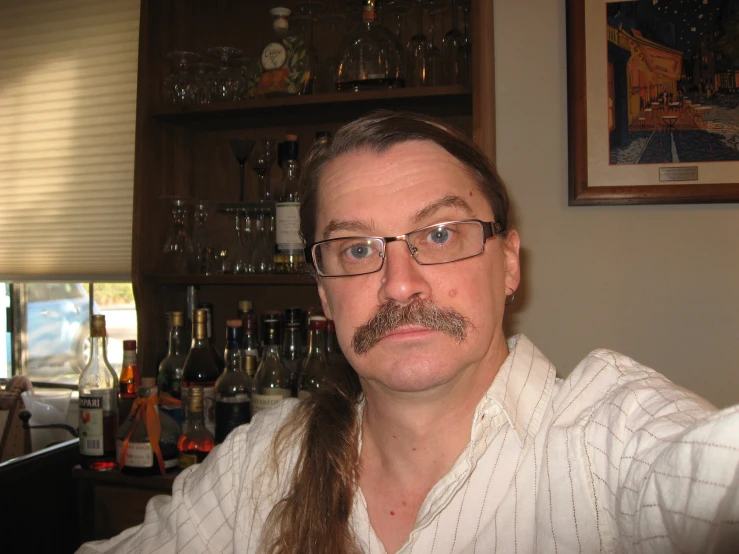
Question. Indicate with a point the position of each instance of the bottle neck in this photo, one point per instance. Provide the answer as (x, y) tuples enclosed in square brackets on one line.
[(99, 349), (233, 357), (271, 351), (315, 342), (129, 358), (332, 343), (176, 341)]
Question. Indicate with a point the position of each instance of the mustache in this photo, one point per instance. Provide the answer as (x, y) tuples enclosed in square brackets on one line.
[(392, 315)]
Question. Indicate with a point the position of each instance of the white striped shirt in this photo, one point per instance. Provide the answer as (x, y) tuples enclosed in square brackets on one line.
[(615, 458)]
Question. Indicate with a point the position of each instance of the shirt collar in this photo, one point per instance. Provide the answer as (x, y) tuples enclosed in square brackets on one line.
[(522, 389)]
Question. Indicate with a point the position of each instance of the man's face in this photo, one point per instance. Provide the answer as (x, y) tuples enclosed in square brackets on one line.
[(413, 185)]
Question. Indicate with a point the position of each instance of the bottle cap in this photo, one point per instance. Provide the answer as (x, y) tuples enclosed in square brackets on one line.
[(201, 316), (280, 12), (176, 319), (330, 326), (271, 332), (129, 345), (317, 322), (245, 305), (233, 330), (97, 326), (293, 316)]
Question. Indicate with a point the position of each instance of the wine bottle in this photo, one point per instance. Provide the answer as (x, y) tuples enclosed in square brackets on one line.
[(233, 387), (249, 344), (140, 457), (98, 390), (130, 379), (292, 346), (314, 367), (217, 356), (196, 440), (289, 242), (335, 359), (272, 381), (200, 370), (169, 378)]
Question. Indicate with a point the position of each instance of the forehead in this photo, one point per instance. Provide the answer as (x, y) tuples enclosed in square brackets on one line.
[(386, 190)]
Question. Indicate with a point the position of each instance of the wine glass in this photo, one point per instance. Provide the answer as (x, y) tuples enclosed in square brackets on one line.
[(397, 11), (241, 148), (239, 251), (202, 258), (225, 80), (262, 164), (452, 51), (204, 82), (415, 52), (179, 86), (262, 260), (311, 8), (177, 250), (336, 22), (434, 59)]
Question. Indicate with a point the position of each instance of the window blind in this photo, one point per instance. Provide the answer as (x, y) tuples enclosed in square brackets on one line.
[(68, 71)]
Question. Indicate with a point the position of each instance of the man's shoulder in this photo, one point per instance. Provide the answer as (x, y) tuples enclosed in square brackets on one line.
[(606, 381)]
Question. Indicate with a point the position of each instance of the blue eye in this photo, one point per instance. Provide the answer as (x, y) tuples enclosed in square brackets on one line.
[(440, 235), (359, 251)]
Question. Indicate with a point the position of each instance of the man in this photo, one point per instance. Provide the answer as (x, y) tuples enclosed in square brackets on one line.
[(445, 437)]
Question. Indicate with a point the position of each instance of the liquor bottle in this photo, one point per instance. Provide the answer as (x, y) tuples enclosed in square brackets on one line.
[(193, 299), (98, 390), (249, 344), (314, 367), (282, 67), (169, 378), (289, 243), (335, 358), (370, 57), (323, 138), (130, 379), (140, 457), (233, 387), (292, 346), (196, 439), (217, 356), (272, 381), (200, 370)]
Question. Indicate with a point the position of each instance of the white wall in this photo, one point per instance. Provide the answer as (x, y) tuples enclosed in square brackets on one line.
[(659, 283)]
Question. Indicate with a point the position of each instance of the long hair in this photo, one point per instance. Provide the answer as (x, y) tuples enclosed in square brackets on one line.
[(313, 516)]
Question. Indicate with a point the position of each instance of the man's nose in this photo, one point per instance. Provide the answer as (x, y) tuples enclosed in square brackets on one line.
[(403, 279)]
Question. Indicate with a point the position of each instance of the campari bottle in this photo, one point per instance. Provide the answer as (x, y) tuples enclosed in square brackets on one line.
[(98, 390), (272, 381)]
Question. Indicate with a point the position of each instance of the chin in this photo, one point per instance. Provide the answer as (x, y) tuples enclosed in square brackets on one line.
[(409, 374)]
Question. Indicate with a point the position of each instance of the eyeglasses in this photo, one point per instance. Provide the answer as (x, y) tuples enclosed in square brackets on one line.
[(441, 243)]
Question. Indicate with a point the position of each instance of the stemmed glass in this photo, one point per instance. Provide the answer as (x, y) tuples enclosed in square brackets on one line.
[(239, 251), (311, 8), (240, 73), (241, 148), (434, 60), (179, 87), (261, 164), (204, 82), (416, 73), (262, 260), (337, 23), (398, 10), (177, 245), (452, 53), (226, 81), (202, 247)]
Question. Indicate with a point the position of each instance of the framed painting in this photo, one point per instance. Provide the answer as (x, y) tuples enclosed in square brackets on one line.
[(653, 101)]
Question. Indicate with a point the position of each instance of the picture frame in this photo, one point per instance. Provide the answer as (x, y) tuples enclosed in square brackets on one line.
[(596, 112)]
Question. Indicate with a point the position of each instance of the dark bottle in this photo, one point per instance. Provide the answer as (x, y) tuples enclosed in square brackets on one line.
[(233, 388), (98, 390), (196, 441), (217, 356), (335, 358), (244, 307), (292, 346), (130, 380), (313, 375), (249, 344), (200, 370), (140, 457), (272, 381), (169, 378)]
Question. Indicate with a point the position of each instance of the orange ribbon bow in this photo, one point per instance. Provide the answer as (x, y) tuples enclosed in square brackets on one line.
[(145, 408)]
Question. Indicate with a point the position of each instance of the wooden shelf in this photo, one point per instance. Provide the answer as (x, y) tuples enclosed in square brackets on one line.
[(447, 100), (276, 279)]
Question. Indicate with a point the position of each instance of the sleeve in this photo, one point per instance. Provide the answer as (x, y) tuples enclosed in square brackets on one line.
[(666, 466), (198, 517)]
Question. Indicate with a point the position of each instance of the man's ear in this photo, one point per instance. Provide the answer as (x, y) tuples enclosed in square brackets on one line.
[(511, 246), (324, 301)]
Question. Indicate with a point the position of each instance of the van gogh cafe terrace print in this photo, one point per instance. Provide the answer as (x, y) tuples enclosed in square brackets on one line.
[(673, 81)]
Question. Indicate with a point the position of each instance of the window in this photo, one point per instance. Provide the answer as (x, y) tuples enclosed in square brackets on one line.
[(51, 324)]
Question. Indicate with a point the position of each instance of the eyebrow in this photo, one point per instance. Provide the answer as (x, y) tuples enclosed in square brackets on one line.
[(359, 226), (449, 201)]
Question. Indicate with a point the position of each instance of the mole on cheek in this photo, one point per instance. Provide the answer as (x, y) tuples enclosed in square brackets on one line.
[(452, 293), (392, 513)]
